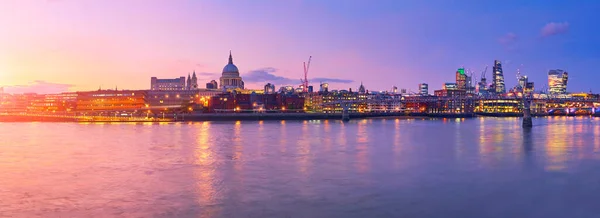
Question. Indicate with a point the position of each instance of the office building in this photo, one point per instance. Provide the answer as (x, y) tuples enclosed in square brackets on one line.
[(498, 86), (212, 85), (461, 79), (269, 88), (324, 87), (557, 82), (424, 89)]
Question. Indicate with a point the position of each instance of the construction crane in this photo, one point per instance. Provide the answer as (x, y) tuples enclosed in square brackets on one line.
[(483, 73), (305, 80)]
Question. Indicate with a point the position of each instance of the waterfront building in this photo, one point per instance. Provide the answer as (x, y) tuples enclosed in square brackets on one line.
[(254, 102), (53, 103), (16, 103), (161, 100), (498, 86), (212, 85), (167, 84), (450, 105), (230, 78), (111, 101), (499, 106), (269, 88), (557, 82), (424, 89), (451, 93)]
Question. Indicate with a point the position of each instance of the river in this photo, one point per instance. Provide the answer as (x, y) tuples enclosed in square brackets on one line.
[(480, 167)]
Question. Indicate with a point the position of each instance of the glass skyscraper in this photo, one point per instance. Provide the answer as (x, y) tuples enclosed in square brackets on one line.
[(557, 81), (498, 83)]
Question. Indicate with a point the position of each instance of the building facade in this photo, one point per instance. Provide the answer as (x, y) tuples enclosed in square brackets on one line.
[(111, 100), (212, 85), (167, 84), (461, 79), (230, 78), (324, 87), (498, 86), (269, 88), (424, 89), (192, 82), (557, 82)]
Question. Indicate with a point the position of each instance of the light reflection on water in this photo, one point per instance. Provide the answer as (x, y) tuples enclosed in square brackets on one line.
[(482, 167)]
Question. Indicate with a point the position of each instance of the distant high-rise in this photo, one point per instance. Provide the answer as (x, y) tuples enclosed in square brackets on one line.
[(423, 89), (212, 85), (269, 88), (461, 79), (528, 88), (557, 81), (498, 84), (394, 89), (324, 87), (522, 82), (450, 86), (310, 89)]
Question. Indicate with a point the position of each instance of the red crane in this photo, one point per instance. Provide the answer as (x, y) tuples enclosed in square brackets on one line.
[(305, 80)]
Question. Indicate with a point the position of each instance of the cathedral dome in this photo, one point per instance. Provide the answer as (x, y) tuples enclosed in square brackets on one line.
[(230, 70)]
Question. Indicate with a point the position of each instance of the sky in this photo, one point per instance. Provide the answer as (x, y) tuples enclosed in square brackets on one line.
[(72, 45)]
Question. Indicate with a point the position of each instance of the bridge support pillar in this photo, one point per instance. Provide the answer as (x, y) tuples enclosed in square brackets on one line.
[(527, 120), (345, 113)]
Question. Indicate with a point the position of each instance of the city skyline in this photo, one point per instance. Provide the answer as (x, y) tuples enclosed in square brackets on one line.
[(71, 45)]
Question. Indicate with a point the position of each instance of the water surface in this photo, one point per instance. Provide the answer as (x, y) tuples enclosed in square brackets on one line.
[(482, 167)]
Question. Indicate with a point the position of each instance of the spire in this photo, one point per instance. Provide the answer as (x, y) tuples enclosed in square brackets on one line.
[(230, 58), (194, 74)]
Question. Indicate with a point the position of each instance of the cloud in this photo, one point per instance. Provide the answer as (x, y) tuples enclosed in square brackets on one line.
[(552, 29), (508, 39), (267, 75), (38, 86)]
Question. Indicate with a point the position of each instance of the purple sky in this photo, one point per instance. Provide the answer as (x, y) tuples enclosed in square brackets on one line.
[(82, 44)]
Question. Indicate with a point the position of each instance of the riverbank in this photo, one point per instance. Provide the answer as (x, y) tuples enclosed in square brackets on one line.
[(218, 117), (235, 117)]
